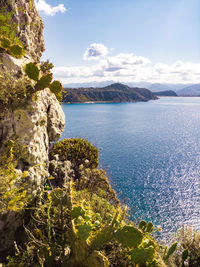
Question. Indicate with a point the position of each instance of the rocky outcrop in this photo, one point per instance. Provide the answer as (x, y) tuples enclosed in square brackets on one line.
[(34, 124), (61, 171), (30, 25)]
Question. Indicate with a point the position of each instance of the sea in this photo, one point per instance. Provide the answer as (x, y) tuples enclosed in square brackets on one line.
[(151, 152)]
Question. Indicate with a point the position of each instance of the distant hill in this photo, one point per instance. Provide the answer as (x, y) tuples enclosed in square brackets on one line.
[(116, 92), (154, 87), (193, 90), (157, 87), (166, 93)]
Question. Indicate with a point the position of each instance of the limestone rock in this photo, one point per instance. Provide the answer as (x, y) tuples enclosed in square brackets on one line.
[(61, 171), (12, 64), (40, 121), (30, 25), (34, 126)]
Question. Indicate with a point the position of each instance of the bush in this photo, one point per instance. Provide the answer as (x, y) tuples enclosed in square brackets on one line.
[(95, 181), (76, 150)]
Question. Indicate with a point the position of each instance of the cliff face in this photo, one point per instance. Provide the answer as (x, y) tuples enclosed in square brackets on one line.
[(30, 25), (35, 123)]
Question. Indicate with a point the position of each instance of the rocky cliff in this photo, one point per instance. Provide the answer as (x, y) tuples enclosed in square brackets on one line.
[(29, 23), (36, 122)]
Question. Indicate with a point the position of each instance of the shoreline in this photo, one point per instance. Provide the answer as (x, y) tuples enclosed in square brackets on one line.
[(105, 102)]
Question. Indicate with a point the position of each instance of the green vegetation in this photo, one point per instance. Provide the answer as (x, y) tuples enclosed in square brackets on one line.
[(78, 151), (188, 248), (43, 78), (71, 228), (9, 41), (83, 223), (15, 86), (13, 184)]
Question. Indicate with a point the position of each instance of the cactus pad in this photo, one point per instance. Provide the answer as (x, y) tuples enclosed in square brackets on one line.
[(56, 87), (16, 50), (44, 82), (142, 255), (32, 71), (129, 236)]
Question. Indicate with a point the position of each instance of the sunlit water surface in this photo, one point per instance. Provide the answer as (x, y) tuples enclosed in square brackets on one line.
[(151, 152)]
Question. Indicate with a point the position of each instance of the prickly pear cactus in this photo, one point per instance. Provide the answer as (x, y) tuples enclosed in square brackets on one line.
[(143, 255), (170, 251), (44, 82), (101, 238), (129, 236), (32, 71)]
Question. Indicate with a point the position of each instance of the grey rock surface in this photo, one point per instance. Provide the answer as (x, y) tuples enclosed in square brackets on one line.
[(33, 125), (30, 25)]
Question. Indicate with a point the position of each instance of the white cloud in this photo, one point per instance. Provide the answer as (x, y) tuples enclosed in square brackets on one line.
[(130, 68), (47, 9), (123, 62), (95, 51)]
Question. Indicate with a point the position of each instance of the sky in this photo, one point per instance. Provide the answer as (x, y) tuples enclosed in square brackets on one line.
[(156, 41)]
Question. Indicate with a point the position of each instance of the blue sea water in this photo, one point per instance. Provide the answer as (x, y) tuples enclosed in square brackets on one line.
[(151, 152)]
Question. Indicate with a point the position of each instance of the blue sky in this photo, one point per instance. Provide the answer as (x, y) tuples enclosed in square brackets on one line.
[(123, 40)]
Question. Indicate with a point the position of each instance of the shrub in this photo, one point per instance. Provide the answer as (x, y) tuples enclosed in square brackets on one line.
[(76, 150), (95, 181)]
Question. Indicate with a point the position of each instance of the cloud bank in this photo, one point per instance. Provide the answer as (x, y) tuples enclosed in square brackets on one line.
[(47, 9), (127, 67)]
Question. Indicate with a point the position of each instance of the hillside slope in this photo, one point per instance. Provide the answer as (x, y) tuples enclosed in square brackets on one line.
[(116, 92), (166, 93)]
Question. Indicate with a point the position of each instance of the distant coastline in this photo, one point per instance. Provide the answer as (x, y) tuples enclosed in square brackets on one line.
[(114, 93)]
